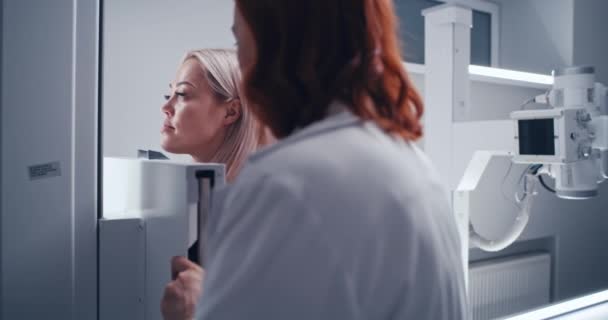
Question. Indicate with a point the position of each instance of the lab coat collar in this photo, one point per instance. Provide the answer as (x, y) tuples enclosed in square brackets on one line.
[(339, 116)]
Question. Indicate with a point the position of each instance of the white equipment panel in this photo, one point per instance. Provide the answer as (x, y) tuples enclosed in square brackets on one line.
[(153, 210)]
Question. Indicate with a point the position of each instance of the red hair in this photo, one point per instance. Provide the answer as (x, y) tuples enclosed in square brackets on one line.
[(312, 52)]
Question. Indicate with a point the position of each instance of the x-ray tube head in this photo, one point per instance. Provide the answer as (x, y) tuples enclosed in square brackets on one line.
[(570, 136)]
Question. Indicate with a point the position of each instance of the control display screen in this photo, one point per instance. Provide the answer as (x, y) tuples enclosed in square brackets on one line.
[(536, 137)]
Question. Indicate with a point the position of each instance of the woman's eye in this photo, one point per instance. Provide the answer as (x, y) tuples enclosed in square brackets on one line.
[(181, 94), (167, 97)]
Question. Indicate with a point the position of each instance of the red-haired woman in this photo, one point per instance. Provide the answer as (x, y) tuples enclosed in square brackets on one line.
[(343, 218)]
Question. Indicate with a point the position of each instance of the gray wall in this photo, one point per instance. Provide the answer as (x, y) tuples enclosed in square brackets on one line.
[(591, 217), (536, 35), (579, 228), (590, 44), (540, 35), (144, 42)]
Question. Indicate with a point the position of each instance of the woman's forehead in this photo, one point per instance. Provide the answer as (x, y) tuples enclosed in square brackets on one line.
[(190, 72)]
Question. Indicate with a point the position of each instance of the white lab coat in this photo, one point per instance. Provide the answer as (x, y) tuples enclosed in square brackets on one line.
[(338, 221)]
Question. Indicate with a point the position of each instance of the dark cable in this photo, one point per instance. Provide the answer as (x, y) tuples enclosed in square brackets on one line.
[(542, 182), (534, 168)]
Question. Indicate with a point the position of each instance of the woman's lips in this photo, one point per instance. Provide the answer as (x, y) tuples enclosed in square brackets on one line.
[(167, 127)]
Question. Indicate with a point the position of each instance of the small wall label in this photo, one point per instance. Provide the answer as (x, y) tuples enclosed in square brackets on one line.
[(44, 171)]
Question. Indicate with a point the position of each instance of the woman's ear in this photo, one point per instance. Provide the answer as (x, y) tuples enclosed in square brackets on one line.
[(233, 112)]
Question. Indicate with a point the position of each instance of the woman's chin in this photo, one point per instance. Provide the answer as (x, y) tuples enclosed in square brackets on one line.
[(169, 146)]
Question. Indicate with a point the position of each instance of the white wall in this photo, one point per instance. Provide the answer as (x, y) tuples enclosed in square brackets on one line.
[(590, 40), (536, 35), (143, 44)]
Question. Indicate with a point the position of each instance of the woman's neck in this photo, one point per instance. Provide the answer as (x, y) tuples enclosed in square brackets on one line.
[(200, 159), (208, 151)]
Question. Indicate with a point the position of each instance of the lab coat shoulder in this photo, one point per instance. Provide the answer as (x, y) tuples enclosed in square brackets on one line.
[(268, 258), (343, 223), (359, 162)]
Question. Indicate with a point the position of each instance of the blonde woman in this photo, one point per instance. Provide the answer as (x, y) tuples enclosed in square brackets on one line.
[(205, 116)]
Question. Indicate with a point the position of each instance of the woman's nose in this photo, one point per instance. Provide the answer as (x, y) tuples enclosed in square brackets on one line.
[(167, 108)]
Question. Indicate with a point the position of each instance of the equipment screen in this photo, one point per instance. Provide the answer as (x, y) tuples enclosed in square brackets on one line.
[(536, 137)]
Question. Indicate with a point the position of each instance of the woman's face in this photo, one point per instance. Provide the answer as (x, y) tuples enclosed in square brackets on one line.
[(194, 119)]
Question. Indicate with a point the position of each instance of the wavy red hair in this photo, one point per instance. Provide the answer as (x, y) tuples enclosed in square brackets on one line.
[(312, 52)]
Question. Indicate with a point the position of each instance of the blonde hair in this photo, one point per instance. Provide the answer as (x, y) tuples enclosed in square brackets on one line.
[(245, 135)]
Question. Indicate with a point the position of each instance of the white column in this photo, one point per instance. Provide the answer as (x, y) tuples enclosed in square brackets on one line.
[(447, 59), (447, 97), (48, 214)]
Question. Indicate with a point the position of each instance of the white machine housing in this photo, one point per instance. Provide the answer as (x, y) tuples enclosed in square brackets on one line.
[(153, 210), (571, 137)]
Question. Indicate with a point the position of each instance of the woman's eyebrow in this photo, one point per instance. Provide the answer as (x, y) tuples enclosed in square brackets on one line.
[(182, 82)]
